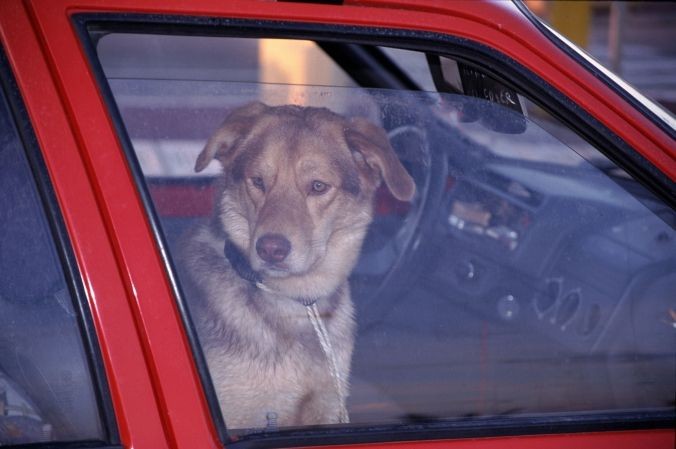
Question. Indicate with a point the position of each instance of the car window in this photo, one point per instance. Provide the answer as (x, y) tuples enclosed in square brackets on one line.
[(47, 389), (355, 255)]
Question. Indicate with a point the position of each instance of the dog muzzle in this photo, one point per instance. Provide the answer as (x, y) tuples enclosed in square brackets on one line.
[(243, 268)]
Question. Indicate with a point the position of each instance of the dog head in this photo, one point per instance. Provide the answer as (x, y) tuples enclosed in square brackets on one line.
[(298, 187)]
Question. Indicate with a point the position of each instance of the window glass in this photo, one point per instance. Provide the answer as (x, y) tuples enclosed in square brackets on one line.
[(206, 58), (414, 64), (46, 389), (382, 256)]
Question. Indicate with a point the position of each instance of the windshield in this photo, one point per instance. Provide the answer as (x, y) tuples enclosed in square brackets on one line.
[(665, 117)]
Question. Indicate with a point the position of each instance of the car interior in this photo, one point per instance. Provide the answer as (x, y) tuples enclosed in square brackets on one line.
[(530, 275)]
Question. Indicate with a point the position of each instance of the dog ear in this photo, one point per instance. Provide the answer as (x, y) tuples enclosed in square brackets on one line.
[(372, 145), (235, 126)]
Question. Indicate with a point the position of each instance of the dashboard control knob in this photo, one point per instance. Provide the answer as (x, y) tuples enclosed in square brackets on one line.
[(465, 271), (508, 307)]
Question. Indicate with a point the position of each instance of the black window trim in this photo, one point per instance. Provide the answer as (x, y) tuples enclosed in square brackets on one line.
[(91, 26), (71, 273)]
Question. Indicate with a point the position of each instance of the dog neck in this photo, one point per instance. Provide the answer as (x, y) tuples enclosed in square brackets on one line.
[(243, 268)]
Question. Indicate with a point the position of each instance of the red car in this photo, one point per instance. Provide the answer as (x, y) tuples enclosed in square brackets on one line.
[(524, 298)]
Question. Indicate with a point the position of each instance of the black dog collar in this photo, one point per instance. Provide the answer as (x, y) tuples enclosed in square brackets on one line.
[(240, 263)]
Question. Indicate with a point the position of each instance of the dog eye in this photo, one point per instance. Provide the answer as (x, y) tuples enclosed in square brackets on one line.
[(318, 187), (258, 183)]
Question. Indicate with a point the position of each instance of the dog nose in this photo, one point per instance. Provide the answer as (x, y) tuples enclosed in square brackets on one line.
[(273, 248)]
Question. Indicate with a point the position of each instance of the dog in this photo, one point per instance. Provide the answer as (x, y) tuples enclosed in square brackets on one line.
[(293, 205)]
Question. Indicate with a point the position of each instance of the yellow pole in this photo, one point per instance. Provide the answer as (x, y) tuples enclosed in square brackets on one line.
[(572, 19)]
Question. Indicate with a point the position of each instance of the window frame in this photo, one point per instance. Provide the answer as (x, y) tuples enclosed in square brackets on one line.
[(71, 275), (487, 59)]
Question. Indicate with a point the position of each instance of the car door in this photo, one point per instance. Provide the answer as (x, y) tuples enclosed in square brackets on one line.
[(493, 304), (54, 389)]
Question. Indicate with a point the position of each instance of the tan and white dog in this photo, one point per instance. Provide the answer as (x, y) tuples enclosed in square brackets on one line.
[(293, 206)]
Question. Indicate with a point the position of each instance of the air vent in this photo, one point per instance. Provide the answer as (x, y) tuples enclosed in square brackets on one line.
[(567, 309), (591, 320), (545, 299)]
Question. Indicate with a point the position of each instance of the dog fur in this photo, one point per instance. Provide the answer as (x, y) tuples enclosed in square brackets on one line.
[(298, 175)]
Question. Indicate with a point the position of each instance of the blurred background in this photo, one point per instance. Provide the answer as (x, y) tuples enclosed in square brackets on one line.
[(635, 39)]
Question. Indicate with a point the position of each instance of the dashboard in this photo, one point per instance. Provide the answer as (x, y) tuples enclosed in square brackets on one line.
[(565, 256)]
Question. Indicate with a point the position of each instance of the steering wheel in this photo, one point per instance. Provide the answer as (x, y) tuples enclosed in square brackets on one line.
[(401, 252)]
